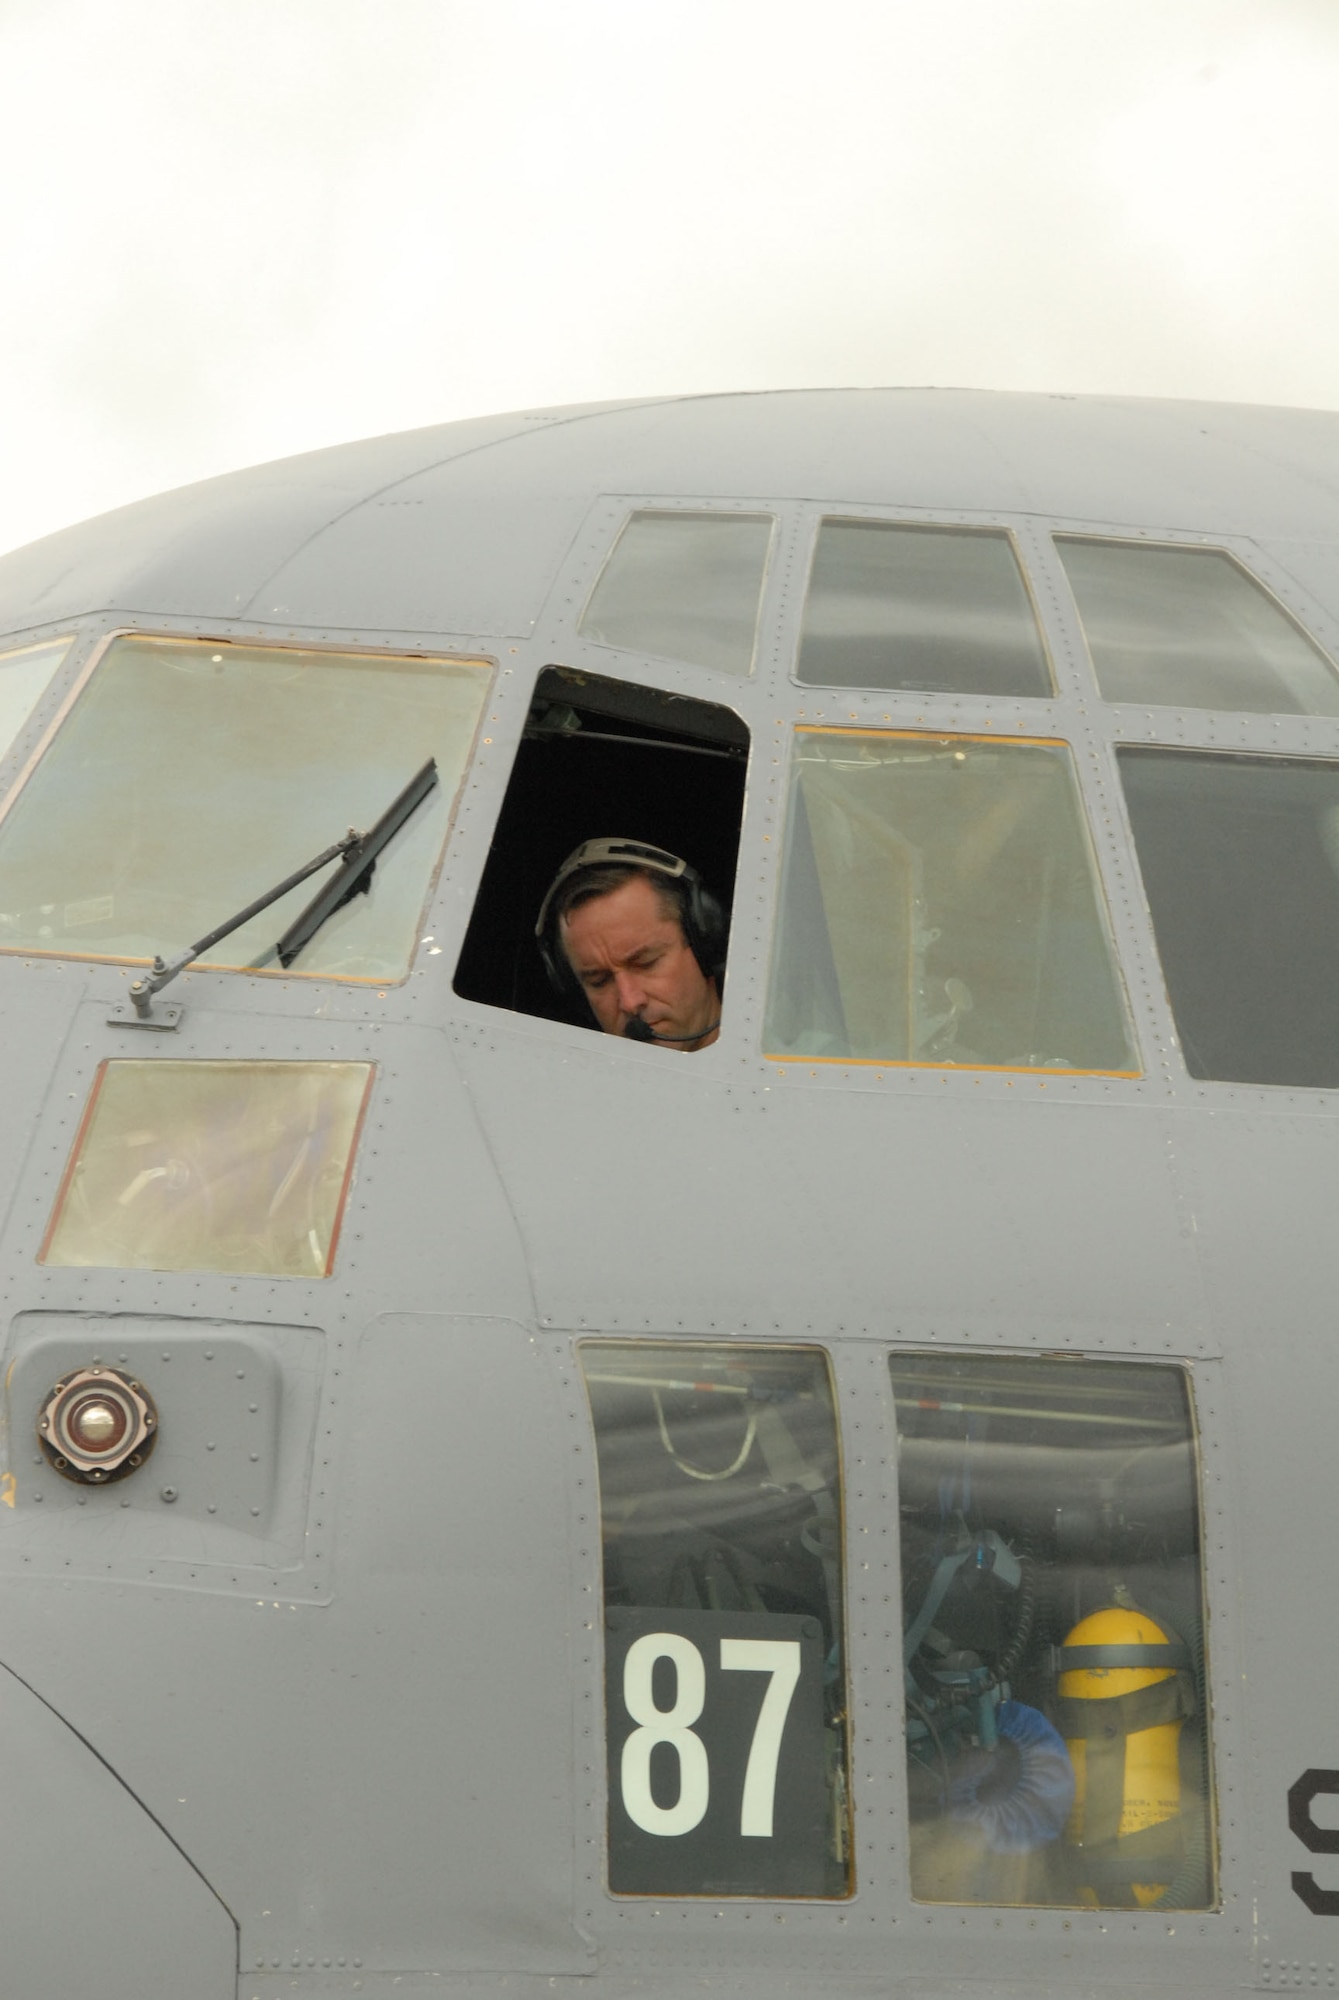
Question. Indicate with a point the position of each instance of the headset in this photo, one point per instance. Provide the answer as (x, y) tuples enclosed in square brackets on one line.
[(705, 929)]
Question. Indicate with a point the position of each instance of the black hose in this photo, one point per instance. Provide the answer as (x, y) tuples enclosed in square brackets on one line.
[(1011, 1658)]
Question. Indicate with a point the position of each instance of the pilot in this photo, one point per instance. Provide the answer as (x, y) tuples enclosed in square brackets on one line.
[(634, 930)]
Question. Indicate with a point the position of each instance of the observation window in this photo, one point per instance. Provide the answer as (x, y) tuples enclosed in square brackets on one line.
[(25, 676), (945, 610), (190, 777), (601, 759), (725, 1671), (1240, 860), (684, 587), (1053, 1633), (940, 904), (211, 1166), (1183, 627)]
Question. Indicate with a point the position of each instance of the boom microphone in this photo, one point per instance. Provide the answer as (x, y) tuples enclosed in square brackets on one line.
[(637, 1031)]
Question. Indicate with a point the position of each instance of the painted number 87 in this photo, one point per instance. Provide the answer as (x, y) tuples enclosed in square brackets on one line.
[(778, 1658)]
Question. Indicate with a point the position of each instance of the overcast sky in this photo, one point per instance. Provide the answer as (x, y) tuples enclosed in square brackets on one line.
[(235, 229)]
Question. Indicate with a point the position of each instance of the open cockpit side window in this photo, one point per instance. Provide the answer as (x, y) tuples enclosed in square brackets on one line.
[(599, 760), (940, 905)]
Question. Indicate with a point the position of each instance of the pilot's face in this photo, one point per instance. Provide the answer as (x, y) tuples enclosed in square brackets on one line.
[(633, 963)]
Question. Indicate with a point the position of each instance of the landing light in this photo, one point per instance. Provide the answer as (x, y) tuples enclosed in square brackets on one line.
[(97, 1424)]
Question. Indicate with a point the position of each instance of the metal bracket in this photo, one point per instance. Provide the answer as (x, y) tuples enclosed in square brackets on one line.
[(167, 1016)]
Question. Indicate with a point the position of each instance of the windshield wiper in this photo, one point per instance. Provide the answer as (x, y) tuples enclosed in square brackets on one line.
[(352, 878)]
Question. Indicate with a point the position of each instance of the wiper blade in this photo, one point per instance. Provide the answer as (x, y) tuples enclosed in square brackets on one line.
[(359, 852), (360, 858)]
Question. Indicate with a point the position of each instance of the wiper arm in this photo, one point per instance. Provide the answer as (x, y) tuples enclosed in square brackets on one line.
[(359, 851), (360, 858)]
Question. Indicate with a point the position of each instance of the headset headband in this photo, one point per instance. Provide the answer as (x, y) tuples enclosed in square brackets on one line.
[(612, 852)]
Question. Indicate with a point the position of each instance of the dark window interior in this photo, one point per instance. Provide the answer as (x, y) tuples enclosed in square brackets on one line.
[(1240, 859), (598, 757)]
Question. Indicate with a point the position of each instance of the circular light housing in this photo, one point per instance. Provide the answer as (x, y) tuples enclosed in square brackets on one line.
[(97, 1424)]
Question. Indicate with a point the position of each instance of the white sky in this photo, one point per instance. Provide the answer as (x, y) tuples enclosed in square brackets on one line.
[(235, 229)]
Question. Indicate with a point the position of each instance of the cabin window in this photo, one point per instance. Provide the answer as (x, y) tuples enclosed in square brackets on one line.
[(599, 758), (211, 1166), (191, 776), (946, 610), (683, 586), (940, 904), (1053, 1633), (1240, 860), (725, 1669), (1190, 628), (25, 676)]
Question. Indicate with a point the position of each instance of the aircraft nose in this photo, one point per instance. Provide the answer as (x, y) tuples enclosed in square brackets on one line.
[(148, 1903)]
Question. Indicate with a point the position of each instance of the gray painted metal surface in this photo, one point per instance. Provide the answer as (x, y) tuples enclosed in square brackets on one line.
[(330, 1718)]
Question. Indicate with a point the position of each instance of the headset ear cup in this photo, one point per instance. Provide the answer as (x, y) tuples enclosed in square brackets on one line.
[(554, 960), (707, 929)]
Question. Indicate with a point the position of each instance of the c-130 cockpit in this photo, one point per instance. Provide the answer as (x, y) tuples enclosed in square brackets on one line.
[(816, 1480)]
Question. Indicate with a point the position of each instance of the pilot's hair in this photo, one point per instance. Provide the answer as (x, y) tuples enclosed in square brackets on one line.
[(589, 883)]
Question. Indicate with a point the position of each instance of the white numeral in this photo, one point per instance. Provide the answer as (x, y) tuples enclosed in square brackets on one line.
[(781, 1659), (665, 1725), (674, 1725)]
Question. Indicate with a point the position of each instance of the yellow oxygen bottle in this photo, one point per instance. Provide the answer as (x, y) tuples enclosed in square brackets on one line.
[(1123, 1696)]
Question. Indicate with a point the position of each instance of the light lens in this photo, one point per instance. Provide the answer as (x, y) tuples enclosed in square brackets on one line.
[(97, 1423)]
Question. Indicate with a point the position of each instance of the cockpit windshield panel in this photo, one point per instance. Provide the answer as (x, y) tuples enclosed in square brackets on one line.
[(940, 905), (190, 776), (1240, 860), (211, 1166), (725, 1669), (25, 676), (1191, 628), (683, 586), (1053, 1633), (899, 605)]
